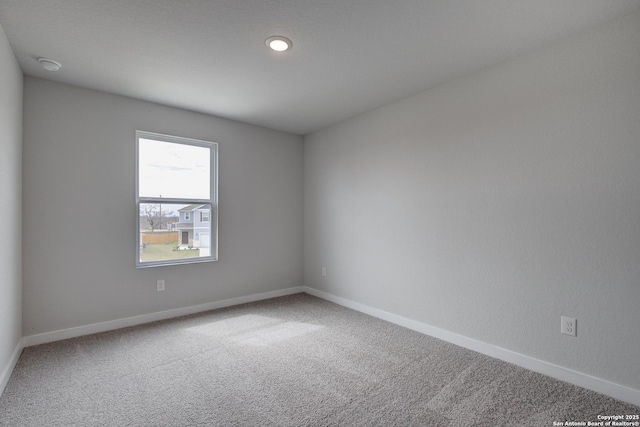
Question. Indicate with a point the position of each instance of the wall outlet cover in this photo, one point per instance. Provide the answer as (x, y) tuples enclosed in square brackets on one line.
[(569, 326)]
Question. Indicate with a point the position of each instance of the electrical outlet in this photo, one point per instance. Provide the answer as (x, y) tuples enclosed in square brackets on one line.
[(160, 285), (324, 271), (569, 326)]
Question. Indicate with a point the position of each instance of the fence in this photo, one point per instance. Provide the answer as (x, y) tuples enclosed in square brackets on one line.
[(156, 237)]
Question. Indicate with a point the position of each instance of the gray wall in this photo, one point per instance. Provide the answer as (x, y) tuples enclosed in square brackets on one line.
[(80, 216), (492, 205), (10, 202)]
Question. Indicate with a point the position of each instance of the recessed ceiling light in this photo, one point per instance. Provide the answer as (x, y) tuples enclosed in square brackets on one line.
[(279, 43), (49, 64)]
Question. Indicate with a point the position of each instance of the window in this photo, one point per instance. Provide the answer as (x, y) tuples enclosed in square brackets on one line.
[(176, 178)]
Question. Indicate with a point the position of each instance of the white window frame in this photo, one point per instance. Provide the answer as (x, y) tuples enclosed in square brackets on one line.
[(212, 201)]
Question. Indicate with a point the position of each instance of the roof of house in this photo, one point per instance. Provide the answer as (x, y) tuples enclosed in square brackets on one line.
[(190, 208), (184, 225)]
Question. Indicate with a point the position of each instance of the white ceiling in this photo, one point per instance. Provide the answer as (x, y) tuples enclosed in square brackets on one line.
[(348, 56)]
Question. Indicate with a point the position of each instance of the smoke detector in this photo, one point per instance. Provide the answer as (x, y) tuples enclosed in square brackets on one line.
[(49, 64)]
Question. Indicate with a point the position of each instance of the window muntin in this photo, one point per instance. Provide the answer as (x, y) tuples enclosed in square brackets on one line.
[(176, 183)]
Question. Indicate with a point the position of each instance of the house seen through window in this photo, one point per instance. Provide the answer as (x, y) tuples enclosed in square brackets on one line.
[(176, 198)]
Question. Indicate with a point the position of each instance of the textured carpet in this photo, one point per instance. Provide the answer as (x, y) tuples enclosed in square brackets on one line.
[(290, 361)]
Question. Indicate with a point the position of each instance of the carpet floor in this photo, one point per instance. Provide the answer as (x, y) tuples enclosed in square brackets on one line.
[(290, 361)]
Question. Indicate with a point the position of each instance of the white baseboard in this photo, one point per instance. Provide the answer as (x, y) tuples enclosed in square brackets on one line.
[(8, 369), (580, 379), (150, 317)]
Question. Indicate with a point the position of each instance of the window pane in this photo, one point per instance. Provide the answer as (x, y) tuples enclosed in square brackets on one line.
[(171, 231), (172, 170)]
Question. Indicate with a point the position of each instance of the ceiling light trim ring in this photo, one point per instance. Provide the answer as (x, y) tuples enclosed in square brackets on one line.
[(279, 43)]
